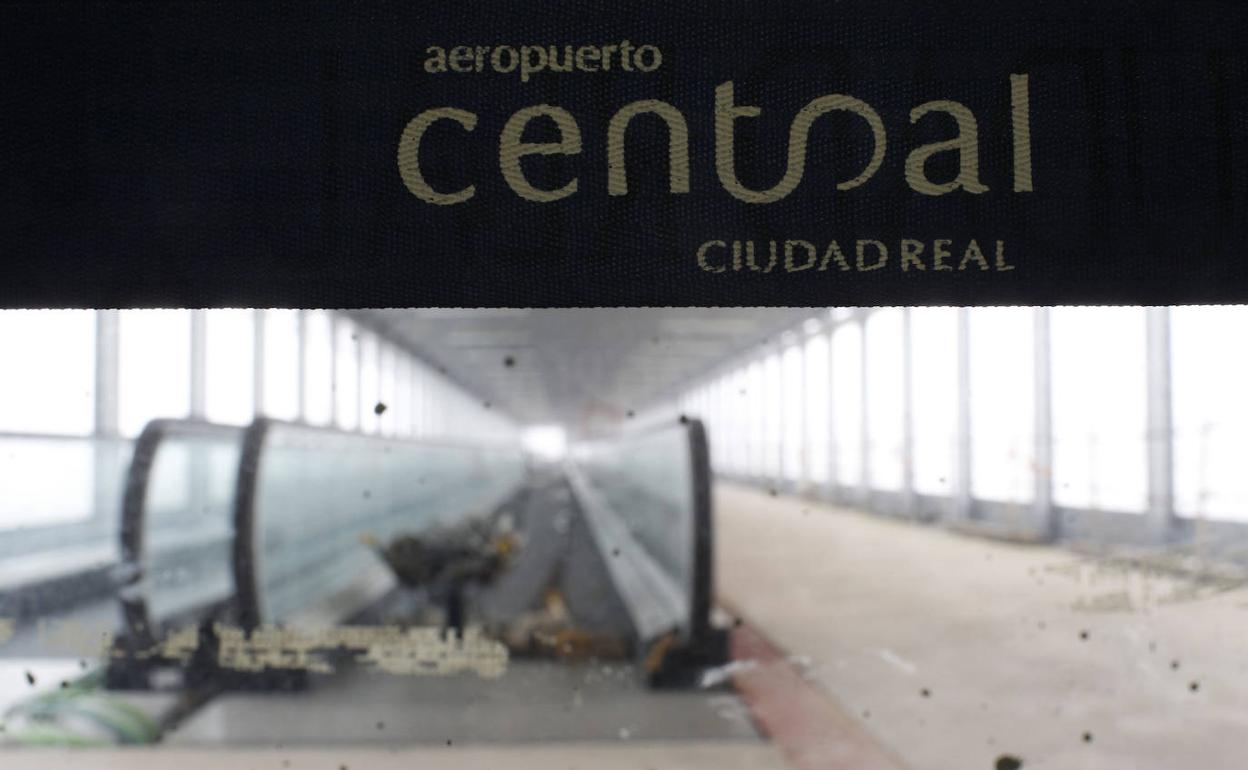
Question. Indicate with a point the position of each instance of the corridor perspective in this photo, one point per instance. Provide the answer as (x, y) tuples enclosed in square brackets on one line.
[(849, 538)]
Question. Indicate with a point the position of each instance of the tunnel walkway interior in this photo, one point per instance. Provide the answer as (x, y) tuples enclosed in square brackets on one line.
[(804, 538)]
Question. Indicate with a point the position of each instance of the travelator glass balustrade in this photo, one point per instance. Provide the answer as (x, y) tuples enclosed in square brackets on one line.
[(277, 524), (308, 496), (648, 498), (267, 525)]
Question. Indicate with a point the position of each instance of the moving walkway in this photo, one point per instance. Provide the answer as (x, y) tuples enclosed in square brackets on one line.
[(233, 538)]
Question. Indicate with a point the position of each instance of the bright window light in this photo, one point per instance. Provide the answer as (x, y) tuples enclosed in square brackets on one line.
[(318, 367), (281, 364), (549, 442), (154, 367), (847, 404), (792, 381), (817, 408), (229, 367), (1209, 380), (1099, 411), (1002, 403), (346, 348), (48, 358), (370, 382), (885, 373), (934, 401)]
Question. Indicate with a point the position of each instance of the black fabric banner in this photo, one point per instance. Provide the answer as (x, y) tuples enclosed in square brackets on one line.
[(698, 153)]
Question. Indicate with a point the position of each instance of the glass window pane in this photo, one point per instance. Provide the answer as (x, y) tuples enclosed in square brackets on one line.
[(49, 362), (739, 403), (1209, 381), (758, 432), (847, 403), (281, 364), (403, 396), (46, 481), (387, 366), (154, 367), (791, 401), (347, 375), (885, 418), (1002, 403), (229, 366), (934, 407), (420, 379), (817, 408), (771, 416), (369, 382), (318, 363), (1099, 407)]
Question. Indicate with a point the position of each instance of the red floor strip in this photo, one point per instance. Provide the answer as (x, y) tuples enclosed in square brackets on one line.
[(811, 731)]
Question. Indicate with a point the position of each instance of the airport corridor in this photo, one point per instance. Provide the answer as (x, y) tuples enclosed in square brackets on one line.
[(802, 538)]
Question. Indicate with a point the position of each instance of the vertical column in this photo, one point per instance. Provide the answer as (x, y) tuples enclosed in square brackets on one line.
[(776, 400), (418, 398), (909, 508), (760, 418), (199, 401), (107, 372), (199, 364), (359, 381), (803, 430), (834, 481), (864, 446), (335, 321), (258, 317), (302, 346), (1160, 434), (962, 487), (1042, 510), (106, 457)]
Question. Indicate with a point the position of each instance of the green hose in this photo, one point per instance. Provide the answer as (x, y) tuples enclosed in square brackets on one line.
[(40, 719)]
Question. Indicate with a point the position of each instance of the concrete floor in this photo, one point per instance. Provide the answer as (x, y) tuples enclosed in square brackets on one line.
[(955, 651), (534, 702), (586, 756)]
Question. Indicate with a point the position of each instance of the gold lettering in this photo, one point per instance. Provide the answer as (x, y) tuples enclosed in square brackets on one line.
[(860, 251), (940, 252), (586, 55), (436, 62), (973, 253), (966, 143), (677, 146), (1001, 266), (702, 262), (512, 148), (811, 255), (834, 252), (910, 251), (1020, 122), (726, 113), (461, 58), (409, 155)]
